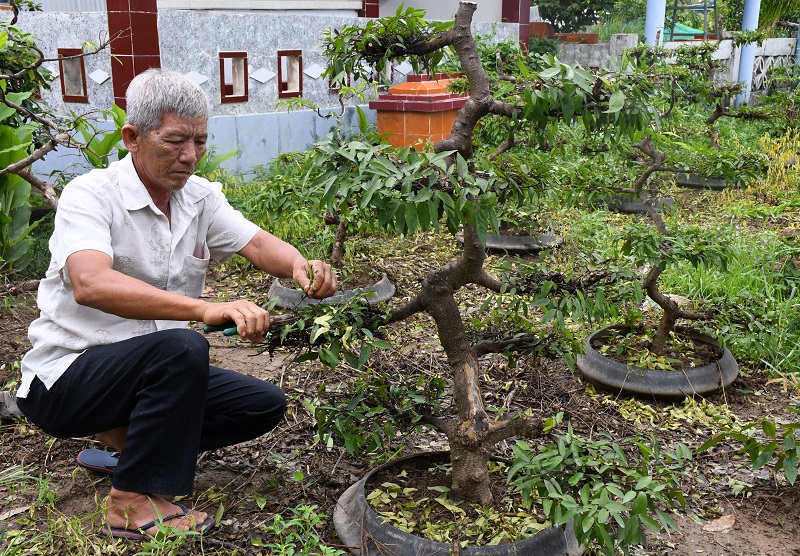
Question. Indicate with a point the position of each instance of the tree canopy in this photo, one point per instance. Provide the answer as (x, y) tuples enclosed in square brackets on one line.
[(569, 16)]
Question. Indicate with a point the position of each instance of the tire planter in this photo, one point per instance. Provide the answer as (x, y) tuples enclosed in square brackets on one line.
[(364, 532), (618, 377), (629, 204), (8, 405), (497, 243), (694, 181), (290, 298)]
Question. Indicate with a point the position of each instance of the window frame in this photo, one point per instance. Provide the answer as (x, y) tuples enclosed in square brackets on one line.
[(283, 93), (244, 97), (73, 54)]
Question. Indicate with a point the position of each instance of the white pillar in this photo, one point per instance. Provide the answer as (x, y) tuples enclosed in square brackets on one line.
[(654, 22), (752, 8)]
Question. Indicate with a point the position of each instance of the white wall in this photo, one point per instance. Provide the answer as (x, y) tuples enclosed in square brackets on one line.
[(444, 10)]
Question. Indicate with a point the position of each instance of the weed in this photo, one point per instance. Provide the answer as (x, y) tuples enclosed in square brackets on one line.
[(609, 488), (298, 535)]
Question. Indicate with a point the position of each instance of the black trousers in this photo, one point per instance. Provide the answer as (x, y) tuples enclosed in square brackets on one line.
[(173, 402)]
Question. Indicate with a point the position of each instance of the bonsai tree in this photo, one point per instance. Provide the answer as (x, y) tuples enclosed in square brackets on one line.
[(692, 78), (459, 187)]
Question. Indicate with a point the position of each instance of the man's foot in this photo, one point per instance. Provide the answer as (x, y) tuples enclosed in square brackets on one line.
[(99, 461), (133, 515)]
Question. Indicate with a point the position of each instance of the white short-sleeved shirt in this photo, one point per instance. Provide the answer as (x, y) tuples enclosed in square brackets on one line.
[(110, 211)]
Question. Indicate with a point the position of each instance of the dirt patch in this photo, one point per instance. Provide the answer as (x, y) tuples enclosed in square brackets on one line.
[(252, 482)]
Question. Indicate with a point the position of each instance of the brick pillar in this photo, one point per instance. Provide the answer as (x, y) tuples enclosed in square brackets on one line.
[(137, 48), (519, 11), (369, 8), (420, 109)]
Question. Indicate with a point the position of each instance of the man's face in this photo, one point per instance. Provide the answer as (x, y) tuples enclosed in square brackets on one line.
[(166, 158)]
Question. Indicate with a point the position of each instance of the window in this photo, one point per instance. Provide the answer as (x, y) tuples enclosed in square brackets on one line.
[(73, 75), (233, 76), (290, 73)]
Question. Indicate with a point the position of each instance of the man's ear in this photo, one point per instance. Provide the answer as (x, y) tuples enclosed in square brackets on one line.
[(131, 137)]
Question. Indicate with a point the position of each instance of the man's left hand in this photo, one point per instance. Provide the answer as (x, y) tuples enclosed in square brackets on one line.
[(316, 278)]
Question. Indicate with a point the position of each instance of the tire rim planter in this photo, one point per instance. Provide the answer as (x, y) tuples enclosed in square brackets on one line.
[(8, 405), (629, 204), (498, 243), (694, 181), (290, 298), (618, 377), (364, 532)]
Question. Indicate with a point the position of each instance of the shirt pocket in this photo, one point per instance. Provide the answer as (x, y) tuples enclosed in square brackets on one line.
[(195, 269)]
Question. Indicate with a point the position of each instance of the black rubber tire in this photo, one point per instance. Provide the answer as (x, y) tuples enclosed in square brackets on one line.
[(498, 243), (629, 204), (361, 529), (617, 377), (693, 181), (290, 298)]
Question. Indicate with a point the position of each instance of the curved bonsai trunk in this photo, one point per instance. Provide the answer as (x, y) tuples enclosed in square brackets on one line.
[(471, 434), (337, 252), (671, 311)]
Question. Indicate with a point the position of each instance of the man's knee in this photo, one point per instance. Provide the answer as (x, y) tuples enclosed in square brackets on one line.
[(186, 351), (271, 406)]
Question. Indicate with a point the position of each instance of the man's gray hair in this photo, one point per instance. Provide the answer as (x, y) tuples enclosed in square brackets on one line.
[(156, 92)]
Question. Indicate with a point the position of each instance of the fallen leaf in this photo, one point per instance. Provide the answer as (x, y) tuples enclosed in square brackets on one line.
[(720, 525), (11, 513)]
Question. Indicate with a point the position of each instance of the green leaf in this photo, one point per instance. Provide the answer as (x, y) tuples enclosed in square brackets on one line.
[(362, 120), (641, 503), (616, 102), (712, 442)]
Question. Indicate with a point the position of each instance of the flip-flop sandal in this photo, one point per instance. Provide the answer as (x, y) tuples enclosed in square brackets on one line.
[(99, 461), (140, 533)]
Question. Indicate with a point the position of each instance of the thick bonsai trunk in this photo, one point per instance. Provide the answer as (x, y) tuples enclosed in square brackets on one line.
[(472, 434), (470, 473), (670, 310)]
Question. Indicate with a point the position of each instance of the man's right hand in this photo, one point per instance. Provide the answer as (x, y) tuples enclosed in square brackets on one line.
[(252, 321)]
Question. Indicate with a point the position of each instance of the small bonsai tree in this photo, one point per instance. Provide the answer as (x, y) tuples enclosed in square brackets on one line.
[(694, 77), (454, 184)]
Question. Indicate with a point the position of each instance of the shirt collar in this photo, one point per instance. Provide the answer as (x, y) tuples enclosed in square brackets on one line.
[(135, 195)]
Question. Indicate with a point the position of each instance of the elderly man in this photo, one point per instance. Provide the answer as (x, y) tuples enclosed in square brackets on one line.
[(111, 354)]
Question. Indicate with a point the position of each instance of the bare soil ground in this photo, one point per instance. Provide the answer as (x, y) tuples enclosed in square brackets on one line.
[(255, 481)]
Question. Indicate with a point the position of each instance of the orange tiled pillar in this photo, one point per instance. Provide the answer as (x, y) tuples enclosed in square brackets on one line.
[(420, 109)]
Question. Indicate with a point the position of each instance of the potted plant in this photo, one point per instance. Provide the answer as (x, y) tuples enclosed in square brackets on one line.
[(648, 361), (455, 184)]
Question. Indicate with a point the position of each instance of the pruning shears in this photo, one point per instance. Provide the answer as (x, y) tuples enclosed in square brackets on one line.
[(229, 328)]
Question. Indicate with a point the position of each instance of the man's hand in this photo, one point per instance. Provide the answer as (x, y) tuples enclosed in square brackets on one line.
[(252, 321), (316, 278)]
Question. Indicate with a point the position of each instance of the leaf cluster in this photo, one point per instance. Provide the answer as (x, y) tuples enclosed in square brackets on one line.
[(299, 534), (333, 334), (697, 246), (408, 190), (610, 489), (369, 412), (780, 449), (16, 140), (20, 63), (365, 52)]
